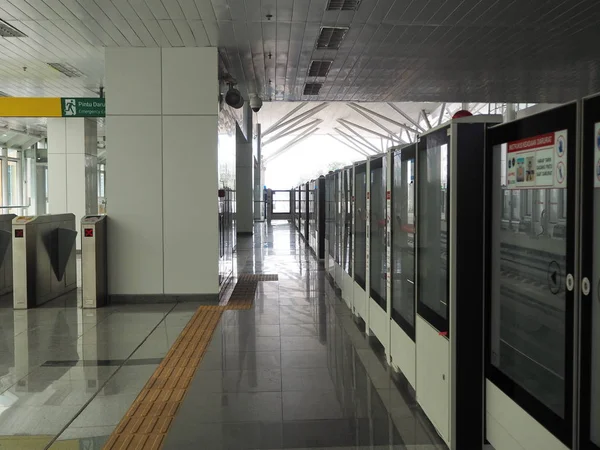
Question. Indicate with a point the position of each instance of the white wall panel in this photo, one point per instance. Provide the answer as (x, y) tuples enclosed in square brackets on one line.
[(134, 187), (190, 81), (57, 182), (76, 186), (378, 323), (433, 370), (57, 135), (510, 424), (360, 301), (403, 351), (140, 70), (190, 178)]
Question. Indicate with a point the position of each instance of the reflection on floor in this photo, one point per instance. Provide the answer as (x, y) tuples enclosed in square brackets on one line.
[(295, 371)]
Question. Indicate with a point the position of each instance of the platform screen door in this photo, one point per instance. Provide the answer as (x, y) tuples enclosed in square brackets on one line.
[(590, 279), (532, 262)]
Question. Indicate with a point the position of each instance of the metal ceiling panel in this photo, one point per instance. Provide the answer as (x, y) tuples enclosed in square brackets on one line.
[(185, 33), (190, 11), (284, 10), (300, 11), (409, 49), (128, 11), (157, 33), (174, 10)]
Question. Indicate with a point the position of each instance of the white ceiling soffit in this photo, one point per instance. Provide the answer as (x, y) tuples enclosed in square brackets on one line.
[(403, 50)]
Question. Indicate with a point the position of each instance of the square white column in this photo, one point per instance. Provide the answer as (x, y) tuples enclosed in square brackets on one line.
[(162, 112), (73, 167)]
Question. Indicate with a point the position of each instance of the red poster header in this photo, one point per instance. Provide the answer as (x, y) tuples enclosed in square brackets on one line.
[(543, 140)]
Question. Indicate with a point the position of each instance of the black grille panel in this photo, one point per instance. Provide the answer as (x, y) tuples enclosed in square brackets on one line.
[(319, 68), (312, 88), (343, 5), (331, 38)]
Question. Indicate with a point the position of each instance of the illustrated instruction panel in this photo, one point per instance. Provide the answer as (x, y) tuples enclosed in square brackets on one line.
[(538, 162)]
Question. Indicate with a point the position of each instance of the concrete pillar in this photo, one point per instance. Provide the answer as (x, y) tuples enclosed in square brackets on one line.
[(510, 112), (161, 168), (244, 186), (73, 167)]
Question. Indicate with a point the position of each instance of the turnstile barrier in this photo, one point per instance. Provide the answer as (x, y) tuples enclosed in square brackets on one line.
[(44, 261), (93, 261)]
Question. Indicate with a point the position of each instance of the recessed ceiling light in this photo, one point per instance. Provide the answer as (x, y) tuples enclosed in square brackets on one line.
[(4, 135)]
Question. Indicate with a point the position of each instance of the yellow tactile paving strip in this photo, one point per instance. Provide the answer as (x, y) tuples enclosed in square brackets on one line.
[(147, 421)]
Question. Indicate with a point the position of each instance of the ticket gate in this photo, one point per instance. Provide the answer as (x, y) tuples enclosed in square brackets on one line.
[(44, 259), (93, 261), (6, 272)]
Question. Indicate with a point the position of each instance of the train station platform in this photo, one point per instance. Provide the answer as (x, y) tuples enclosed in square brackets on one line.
[(290, 370)]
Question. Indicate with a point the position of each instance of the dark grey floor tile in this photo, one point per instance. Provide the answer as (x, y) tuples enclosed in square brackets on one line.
[(243, 380), (225, 436), (303, 329), (307, 379), (250, 343), (304, 358), (304, 343), (315, 405), (258, 330), (240, 360), (236, 407)]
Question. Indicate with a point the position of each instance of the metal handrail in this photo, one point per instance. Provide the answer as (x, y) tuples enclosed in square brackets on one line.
[(15, 206)]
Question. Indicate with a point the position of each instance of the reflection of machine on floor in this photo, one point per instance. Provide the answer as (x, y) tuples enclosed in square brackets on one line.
[(6, 272), (44, 264)]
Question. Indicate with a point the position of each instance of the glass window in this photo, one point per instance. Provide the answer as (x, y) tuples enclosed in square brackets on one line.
[(377, 244), (330, 192), (432, 213), (13, 183), (360, 225), (403, 240), (347, 220), (281, 202), (528, 272), (595, 291)]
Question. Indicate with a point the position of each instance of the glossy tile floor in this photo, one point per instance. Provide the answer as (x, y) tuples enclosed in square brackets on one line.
[(295, 371), (67, 375)]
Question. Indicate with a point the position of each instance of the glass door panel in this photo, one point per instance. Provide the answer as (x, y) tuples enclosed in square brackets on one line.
[(377, 247), (347, 221), (360, 225), (590, 304), (432, 219), (532, 252), (403, 239)]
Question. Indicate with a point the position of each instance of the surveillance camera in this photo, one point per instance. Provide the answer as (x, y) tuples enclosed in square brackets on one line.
[(255, 103), (233, 98)]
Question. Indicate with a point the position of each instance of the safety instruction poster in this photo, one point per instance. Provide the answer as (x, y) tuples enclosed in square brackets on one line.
[(597, 156), (537, 162)]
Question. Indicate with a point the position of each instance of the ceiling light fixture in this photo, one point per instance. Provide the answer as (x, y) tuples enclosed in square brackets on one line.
[(8, 31)]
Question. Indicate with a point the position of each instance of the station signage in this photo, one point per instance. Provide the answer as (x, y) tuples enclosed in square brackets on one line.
[(537, 162), (52, 107), (83, 107)]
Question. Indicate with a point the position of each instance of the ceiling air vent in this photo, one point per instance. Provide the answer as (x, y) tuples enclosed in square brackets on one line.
[(312, 88), (331, 38), (319, 68), (66, 69), (343, 5), (8, 31)]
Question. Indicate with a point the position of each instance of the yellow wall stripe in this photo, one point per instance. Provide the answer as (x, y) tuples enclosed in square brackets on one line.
[(30, 107)]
